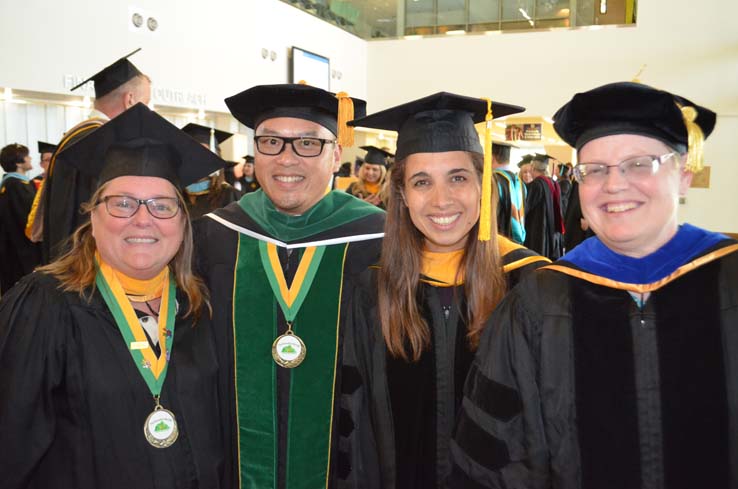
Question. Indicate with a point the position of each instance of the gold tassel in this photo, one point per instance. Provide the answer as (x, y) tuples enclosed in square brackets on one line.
[(695, 140), (345, 136), (485, 213), (637, 77)]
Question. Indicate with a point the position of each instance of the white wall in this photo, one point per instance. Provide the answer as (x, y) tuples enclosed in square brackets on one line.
[(690, 48), (210, 48)]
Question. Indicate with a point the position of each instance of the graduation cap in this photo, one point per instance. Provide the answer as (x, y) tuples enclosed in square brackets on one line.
[(525, 160), (445, 122), (375, 156), (332, 111), (140, 142), (46, 147), (501, 150), (248, 159), (437, 123), (208, 136), (113, 76), (634, 108)]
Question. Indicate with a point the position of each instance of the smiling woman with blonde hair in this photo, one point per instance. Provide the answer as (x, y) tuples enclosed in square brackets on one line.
[(108, 366)]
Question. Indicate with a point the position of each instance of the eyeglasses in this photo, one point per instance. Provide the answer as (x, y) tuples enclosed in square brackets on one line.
[(124, 206), (305, 147), (633, 169)]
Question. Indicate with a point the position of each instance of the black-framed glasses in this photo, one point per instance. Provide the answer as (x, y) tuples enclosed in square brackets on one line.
[(633, 169), (302, 146), (124, 206)]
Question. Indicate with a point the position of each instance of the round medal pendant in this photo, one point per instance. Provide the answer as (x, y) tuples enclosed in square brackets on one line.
[(288, 350), (160, 428)]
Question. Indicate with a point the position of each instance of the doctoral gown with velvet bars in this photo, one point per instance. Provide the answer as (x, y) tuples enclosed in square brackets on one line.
[(580, 388), (73, 404), (414, 404), (220, 237)]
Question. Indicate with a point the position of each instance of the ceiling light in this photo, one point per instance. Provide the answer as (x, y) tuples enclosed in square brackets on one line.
[(413, 37), (459, 32)]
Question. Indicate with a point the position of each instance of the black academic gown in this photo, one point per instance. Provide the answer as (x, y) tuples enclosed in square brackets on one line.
[(200, 204), (579, 388), (217, 244), (73, 404), (573, 221), (541, 234), (18, 255), (64, 191), (414, 404), (565, 185)]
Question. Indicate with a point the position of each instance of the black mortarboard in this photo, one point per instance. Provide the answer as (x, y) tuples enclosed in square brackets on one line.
[(201, 134), (501, 150), (257, 104), (140, 142), (46, 147), (525, 160), (634, 108), (541, 157), (248, 159), (375, 156), (113, 76), (437, 123)]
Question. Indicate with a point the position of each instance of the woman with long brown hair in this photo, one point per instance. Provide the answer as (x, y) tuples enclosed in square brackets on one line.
[(442, 272), (108, 365)]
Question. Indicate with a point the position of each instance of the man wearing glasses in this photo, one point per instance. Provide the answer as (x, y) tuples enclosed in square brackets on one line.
[(617, 366), (279, 265)]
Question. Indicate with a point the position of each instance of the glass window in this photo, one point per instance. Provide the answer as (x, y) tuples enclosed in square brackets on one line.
[(419, 13), (518, 10), (551, 9), (451, 12), (483, 11)]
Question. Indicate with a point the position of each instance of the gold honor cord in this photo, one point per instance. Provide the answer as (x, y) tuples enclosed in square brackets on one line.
[(288, 350), (160, 428)]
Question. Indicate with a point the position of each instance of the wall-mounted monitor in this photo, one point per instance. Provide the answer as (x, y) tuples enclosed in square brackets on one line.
[(313, 68)]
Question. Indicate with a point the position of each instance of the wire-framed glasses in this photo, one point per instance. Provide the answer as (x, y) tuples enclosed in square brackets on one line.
[(633, 169)]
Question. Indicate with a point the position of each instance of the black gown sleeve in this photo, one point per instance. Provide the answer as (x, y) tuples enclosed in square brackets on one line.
[(499, 440), (33, 349)]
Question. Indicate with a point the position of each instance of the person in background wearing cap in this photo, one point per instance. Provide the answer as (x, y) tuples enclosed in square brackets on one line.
[(56, 210), (371, 176), (244, 177), (525, 167), (108, 376), (277, 263), (19, 255), (544, 222), (45, 152), (511, 192), (212, 191), (615, 367), (443, 270)]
